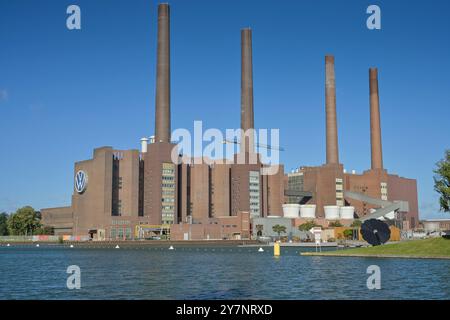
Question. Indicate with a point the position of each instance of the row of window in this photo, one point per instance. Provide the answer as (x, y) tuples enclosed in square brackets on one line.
[(120, 233), (119, 222)]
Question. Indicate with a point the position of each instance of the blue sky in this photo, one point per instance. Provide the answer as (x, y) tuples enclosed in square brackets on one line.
[(63, 93)]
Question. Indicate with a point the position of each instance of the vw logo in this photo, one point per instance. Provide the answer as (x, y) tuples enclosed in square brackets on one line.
[(81, 180)]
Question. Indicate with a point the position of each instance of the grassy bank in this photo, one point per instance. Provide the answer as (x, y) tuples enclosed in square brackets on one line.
[(426, 248)]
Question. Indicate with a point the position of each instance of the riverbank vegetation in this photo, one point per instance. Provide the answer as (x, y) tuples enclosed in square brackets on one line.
[(432, 247), (24, 222), (442, 182)]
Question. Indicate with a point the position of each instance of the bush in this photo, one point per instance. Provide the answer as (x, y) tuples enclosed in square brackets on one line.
[(348, 233), (307, 226), (356, 224), (335, 224)]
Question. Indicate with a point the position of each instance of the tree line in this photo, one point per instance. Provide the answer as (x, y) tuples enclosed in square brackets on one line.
[(24, 222)]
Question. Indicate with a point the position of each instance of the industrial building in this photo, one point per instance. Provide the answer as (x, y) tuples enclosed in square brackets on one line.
[(125, 194), (327, 186), (130, 194)]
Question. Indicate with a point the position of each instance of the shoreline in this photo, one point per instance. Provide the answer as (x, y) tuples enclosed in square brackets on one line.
[(360, 255), (131, 243)]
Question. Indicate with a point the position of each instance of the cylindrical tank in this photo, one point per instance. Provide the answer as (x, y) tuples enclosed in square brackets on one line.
[(331, 212), (291, 210), (347, 212), (144, 143), (308, 211)]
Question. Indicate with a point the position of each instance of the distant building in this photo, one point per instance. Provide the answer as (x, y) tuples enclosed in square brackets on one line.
[(436, 225), (263, 227)]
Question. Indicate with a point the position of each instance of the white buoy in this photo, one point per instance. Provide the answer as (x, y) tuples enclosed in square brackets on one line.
[(117, 247), (171, 248), (71, 245), (37, 245), (260, 250), (8, 245)]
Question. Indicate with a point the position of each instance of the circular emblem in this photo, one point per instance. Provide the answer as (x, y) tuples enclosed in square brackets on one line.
[(81, 180)]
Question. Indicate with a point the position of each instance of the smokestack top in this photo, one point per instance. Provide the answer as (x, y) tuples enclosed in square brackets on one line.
[(373, 73), (163, 7), (246, 32), (329, 58)]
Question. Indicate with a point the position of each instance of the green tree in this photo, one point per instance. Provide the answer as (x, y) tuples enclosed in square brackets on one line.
[(356, 224), (4, 224), (335, 224), (44, 230), (307, 226), (442, 181), (348, 234), (279, 229), (25, 221)]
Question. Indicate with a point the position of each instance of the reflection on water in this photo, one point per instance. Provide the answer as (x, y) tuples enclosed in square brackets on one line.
[(212, 273)]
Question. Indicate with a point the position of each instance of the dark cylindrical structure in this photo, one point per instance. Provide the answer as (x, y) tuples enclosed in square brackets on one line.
[(330, 110), (375, 126), (162, 116), (247, 120)]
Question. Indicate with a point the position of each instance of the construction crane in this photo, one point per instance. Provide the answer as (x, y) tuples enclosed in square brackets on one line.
[(258, 145)]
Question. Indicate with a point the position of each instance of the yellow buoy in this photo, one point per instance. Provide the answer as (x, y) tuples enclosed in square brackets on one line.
[(276, 249)]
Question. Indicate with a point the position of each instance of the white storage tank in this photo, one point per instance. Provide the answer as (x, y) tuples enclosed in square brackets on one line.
[(291, 210), (347, 212), (308, 211), (331, 212)]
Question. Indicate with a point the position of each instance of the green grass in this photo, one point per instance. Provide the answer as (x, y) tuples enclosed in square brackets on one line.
[(433, 247)]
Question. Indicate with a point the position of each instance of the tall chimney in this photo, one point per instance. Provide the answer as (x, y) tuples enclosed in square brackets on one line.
[(375, 127), (247, 121), (330, 109), (162, 117)]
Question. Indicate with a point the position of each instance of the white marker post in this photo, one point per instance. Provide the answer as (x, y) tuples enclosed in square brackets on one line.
[(317, 232)]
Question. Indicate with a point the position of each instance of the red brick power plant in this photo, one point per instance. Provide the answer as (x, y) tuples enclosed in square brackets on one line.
[(129, 194), (325, 186)]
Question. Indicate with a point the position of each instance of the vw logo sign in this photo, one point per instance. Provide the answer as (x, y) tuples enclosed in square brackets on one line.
[(81, 180)]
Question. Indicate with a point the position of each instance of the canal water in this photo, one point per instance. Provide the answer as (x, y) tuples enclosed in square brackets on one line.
[(29, 272)]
